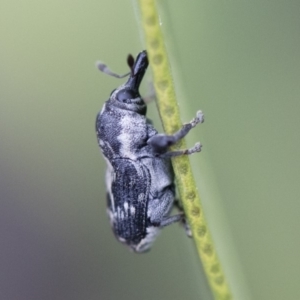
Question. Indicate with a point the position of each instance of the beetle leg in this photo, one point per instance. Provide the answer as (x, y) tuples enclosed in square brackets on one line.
[(170, 220), (196, 148), (161, 142), (184, 221), (188, 126), (174, 219)]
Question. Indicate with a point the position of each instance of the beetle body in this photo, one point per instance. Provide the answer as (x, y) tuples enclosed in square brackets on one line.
[(139, 176)]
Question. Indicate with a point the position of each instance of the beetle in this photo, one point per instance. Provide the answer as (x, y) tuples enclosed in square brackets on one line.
[(139, 176)]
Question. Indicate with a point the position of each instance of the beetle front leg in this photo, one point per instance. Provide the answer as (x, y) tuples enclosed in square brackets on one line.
[(181, 133), (196, 148), (161, 142)]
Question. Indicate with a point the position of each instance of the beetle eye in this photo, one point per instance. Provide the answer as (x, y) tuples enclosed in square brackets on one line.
[(126, 95)]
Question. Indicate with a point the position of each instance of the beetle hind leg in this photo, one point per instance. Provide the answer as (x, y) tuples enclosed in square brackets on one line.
[(171, 219), (184, 221)]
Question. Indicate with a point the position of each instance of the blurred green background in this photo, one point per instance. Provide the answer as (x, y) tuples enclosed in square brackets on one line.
[(236, 60)]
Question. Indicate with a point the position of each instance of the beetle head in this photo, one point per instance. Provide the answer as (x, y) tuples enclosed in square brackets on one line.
[(127, 96)]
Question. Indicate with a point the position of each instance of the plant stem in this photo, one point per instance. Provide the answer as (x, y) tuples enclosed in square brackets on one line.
[(169, 113)]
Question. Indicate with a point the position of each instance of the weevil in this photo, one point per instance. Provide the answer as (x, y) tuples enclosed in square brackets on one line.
[(139, 176)]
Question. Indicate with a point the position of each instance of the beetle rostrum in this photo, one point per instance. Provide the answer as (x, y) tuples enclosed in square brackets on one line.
[(139, 176)]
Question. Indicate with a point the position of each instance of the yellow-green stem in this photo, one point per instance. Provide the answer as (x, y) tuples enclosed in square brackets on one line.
[(169, 112)]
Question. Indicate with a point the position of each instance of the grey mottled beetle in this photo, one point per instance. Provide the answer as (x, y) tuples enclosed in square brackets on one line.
[(139, 177)]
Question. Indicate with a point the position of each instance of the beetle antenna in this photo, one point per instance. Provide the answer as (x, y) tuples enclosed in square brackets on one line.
[(105, 69), (130, 63)]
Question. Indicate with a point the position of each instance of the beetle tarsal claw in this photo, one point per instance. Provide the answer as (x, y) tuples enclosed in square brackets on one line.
[(200, 116), (196, 148)]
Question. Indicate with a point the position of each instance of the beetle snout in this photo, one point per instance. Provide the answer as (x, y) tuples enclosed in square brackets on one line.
[(138, 70)]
